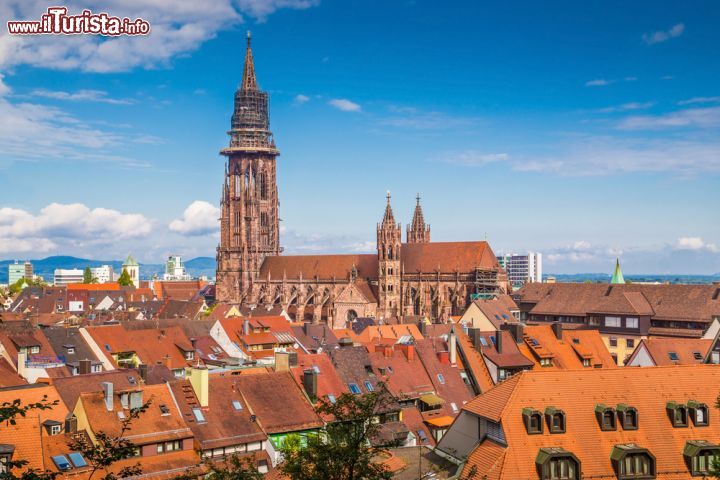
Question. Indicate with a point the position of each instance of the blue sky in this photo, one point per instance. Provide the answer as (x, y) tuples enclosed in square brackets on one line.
[(584, 130)]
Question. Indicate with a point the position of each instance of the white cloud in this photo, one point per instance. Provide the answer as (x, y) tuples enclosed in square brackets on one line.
[(82, 96), (177, 28), (344, 104), (695, 243), (663, 35), (300, 99), (606, 155), (695, 100), (199, 218), (59, 226), (472, 158), (600, 82), (412, 118), (692, 117), (627, 107)]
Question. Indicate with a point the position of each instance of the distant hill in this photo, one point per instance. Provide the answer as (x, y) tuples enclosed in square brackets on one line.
[(45, 267), (605, 278)]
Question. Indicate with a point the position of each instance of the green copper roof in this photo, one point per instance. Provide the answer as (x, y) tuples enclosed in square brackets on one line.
[(617, 275), (130, 262)]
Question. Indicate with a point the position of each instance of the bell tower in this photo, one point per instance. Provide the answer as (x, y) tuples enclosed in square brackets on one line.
[(389, 242), (249, 223)]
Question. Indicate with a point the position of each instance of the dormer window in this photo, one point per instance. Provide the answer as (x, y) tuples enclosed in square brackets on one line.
[(678, 414), (632, 462), (556, 463), (700, 457), (6, 454), (606, 417), (628, 416), (533, 421), (189, 355), (555, 419), (53, 427), (699, 413)]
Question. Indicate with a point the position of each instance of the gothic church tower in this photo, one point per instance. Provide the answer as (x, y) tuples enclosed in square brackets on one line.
[(249, 225), (418, 231), (389, 243)]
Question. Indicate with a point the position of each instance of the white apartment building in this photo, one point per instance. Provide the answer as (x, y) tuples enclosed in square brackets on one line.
[(522, 269), (66, 276), (175, 269), (103, 274)]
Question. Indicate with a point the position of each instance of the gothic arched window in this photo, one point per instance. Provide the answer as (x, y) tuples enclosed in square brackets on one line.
[(263, 186)]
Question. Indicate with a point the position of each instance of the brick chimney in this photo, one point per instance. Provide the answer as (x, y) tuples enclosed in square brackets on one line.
[(409, 350)]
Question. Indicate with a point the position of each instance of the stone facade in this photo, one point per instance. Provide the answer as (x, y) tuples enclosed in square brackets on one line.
[(423, 278)]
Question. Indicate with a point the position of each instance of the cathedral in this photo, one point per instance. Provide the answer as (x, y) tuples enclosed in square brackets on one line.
[(415, 278)]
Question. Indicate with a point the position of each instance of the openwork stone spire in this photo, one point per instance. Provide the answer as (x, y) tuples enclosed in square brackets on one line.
[(418, 231), (249, 82), (388, 218)]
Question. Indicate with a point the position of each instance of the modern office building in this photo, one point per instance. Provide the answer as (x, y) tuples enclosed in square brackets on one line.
[(66, 276), (522, 269), (175, 269), (17, 270)]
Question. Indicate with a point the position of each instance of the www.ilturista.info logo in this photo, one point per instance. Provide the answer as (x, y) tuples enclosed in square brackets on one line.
[(57, 22)]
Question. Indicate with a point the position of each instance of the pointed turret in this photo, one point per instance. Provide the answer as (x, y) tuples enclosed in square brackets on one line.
[(248, 80), (617, 277), (418, 231), (388, 218)]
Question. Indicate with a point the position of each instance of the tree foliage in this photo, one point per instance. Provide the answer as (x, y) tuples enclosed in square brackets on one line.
[(88, 276), (125, 280), (343, 450)]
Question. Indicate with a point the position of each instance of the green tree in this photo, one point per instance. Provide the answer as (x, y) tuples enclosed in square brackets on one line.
[(88, 276), (125, 280), (343, 450)]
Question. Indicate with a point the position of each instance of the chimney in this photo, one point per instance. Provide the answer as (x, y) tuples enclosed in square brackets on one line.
[(193, 341), (421, 326), (409, 350), (517, 330), (444, 357), (22, 359), (143, 371), (282, 362), (305, 327), (452, 341), (310, 380), (84, 366), (199, 379), (246, 327), (558, 329), (499, 341), (108, 391), (474, 334), (387, 351), (71, 423)]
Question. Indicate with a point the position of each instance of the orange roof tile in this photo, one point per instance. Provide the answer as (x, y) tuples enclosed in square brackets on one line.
[(687, 351), (540, 341)]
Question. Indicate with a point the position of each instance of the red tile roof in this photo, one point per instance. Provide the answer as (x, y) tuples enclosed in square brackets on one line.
[(577, 394), (688, 351)]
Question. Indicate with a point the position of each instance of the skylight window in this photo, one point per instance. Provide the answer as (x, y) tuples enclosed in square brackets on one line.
[(441, 379), (483, 342), (237, 405), (354, 388), (198, 415), (331, 398), (492, 339), (164, 410), (131, 380), (389, 369), (454, 407), (121, 415), (316, 369), (697, 355), (107, 347), (61, 462), (673, 356), (368, 386), (78, 460)]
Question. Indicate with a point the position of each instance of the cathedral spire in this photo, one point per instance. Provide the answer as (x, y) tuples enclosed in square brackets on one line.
[(389, 218), (418, 231), (248, 80)]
